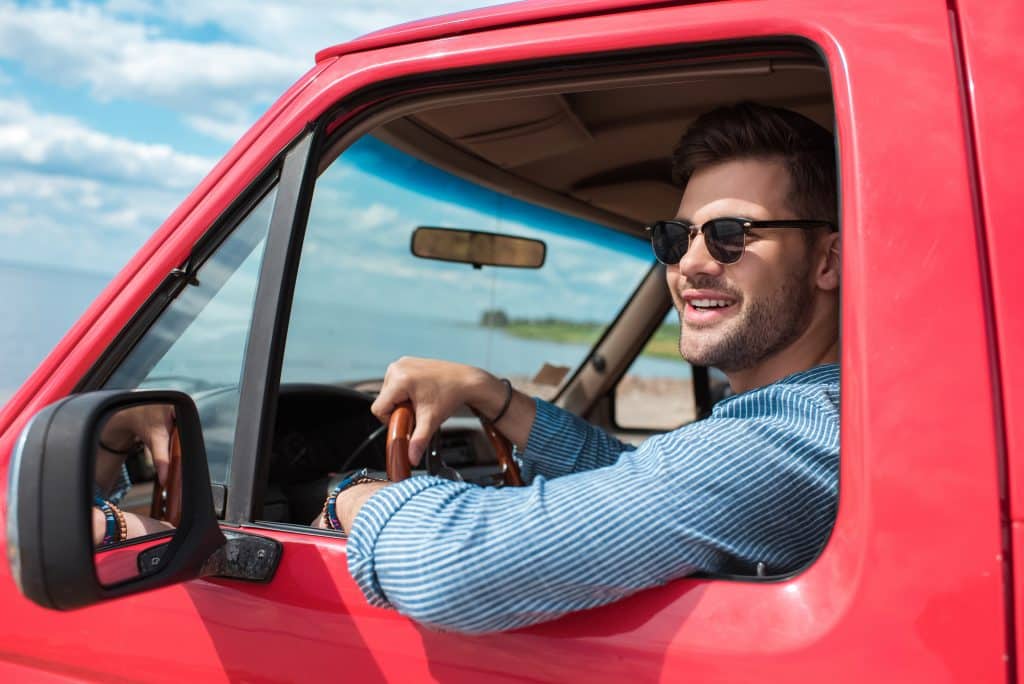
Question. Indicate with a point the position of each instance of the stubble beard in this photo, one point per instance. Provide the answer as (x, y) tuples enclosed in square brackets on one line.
[(768, 325)]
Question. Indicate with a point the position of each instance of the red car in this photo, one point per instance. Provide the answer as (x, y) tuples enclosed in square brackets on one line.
[(266, 307)]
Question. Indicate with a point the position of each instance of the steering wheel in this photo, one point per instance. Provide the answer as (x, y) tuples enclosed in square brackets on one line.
[(400, 429), (166, 501)]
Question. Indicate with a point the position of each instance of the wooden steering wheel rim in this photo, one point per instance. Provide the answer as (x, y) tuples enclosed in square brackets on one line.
[(166, 500), (400, 429)]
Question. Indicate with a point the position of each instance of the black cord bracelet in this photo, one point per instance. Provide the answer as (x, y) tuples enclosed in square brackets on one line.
[(508, 401)]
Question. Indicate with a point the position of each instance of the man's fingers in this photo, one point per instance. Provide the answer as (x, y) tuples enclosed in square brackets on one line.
[(381, 408), (384, 405), (426, 425)]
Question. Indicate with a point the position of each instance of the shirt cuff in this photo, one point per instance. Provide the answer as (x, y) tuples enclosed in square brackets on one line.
[(369, 523), (554, 442)]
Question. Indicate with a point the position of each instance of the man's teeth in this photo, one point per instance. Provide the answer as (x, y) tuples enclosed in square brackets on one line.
[(708, 303)]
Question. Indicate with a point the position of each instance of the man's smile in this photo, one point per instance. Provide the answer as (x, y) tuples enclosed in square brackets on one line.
[(707, 307)]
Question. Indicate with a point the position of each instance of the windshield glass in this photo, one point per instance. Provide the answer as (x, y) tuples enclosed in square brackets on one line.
[(363, 299)]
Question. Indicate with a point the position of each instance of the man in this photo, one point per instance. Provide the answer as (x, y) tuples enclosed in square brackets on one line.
[(754, 484)]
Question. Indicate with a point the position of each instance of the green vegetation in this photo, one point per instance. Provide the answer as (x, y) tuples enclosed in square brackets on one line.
[(663, 344)]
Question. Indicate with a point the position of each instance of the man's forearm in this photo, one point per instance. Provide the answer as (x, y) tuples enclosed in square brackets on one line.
[(350, 501)]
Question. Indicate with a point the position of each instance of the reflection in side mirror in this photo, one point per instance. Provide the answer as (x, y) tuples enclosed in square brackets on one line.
[(477, 248), (78, 531), (136, 487)]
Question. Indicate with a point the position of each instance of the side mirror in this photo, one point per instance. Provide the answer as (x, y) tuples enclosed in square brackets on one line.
[(69, 544)]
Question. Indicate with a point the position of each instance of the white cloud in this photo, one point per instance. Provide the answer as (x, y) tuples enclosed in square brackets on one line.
[(77, 223), (118, 59), (62, 144), (228, 130), (297, 29), (79, 197), (124, 50)]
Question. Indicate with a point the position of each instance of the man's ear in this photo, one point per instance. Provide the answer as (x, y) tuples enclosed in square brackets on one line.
[(827, 267)]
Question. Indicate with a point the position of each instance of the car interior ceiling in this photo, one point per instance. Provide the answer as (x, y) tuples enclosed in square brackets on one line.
[(605, 145), (600, 150)]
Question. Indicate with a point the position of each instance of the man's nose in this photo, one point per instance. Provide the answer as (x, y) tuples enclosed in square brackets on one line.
[(698, 260)]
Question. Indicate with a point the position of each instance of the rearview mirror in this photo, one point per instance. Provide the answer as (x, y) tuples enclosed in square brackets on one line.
[(477, 248)]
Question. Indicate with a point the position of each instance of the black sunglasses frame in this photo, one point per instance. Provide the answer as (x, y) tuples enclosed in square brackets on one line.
[(717, 251)]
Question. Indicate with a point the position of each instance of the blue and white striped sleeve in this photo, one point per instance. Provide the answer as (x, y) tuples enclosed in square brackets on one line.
[(728, 486), (561, 443)]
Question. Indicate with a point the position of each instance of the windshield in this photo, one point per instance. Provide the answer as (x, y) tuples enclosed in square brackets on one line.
[(363, 299)]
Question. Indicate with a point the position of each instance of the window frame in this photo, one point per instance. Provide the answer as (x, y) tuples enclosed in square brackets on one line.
[(297, 168), (359, 112)]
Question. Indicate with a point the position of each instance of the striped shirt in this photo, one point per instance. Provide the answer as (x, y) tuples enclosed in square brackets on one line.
[(756, 481)]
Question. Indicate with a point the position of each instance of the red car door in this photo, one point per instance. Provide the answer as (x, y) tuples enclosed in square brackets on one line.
[(989, 64), (909, 587)]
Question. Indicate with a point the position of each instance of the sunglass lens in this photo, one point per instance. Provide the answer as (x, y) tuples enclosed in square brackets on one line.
[(669, 240), (725, 240)]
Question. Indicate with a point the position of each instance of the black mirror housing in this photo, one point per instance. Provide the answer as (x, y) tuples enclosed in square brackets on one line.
[(49, 532)]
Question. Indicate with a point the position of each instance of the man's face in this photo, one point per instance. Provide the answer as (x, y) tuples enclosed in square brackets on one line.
[(768, 294)]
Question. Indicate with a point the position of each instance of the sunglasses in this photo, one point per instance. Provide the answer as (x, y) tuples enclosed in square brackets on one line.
[(725, 238)]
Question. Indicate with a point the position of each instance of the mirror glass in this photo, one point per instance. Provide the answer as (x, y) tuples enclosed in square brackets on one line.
[(477, 248), (136, 497)]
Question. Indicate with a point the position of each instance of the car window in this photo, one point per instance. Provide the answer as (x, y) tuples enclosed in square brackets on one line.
[(656, 393), (197, 345), (362, 299)]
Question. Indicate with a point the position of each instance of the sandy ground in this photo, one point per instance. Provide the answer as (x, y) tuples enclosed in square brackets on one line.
[(642, 403)]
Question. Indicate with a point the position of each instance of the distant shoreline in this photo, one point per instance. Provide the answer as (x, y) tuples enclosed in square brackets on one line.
[(663, 344)]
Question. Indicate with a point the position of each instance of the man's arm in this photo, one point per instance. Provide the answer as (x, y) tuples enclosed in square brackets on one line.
[(559, 444), (758, 486)]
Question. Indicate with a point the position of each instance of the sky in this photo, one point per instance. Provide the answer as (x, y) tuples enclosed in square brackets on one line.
[(111, 112)]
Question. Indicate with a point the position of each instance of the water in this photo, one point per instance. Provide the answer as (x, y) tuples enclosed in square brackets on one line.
[(362, 345), (41, 303)]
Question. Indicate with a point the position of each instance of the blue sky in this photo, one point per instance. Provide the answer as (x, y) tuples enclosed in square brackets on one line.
[(110, 112)]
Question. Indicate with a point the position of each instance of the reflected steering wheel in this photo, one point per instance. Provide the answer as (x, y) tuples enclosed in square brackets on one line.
[(400, 429)]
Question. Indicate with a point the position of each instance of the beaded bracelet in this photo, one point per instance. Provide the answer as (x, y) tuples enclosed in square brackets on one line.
[(330, 512), (116, 525), (122, 524)]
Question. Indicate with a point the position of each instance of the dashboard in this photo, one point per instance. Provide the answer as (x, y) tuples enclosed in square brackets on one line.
[(324, 431)]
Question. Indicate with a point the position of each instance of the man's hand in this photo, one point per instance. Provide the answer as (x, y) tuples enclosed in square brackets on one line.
[(151, 424), (437, 389)]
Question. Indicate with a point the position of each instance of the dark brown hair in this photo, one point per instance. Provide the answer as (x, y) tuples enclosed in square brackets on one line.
[(753, 131)]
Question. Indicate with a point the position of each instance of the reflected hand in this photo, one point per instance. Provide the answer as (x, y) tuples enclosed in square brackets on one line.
[(150, 424)]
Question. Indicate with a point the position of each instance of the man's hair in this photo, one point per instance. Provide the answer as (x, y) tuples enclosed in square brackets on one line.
[(752, 131)]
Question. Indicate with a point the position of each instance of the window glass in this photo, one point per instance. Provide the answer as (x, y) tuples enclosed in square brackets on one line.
[(197, 345), (363, 299), (656, 393)]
